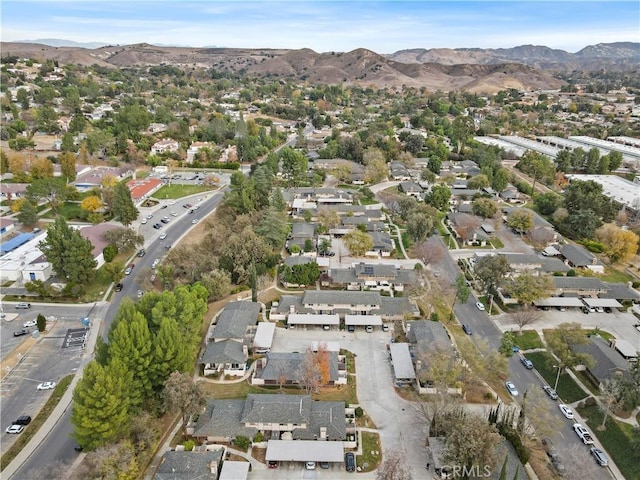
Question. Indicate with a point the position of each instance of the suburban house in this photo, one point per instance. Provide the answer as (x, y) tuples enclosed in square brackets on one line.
[(578, 257), (533, 264), (292, 417), (288, 369), (365, 276), (227, 349), (355, 170), (194, 465), (166, 145), (157, 128), (399, 171), (349, 224), (412, 189), (12, 191), (195, 147), (343, 303), (579, 286), (467, 229), (6, 225), (88, 179), (383, 244), (143, 188), (301, 234), (607, 361), (511, 195)]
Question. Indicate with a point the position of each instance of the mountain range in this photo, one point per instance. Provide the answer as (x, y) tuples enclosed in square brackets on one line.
[(526, 67)]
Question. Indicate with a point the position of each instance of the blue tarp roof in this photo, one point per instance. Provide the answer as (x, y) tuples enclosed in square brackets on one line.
[(15, 242)]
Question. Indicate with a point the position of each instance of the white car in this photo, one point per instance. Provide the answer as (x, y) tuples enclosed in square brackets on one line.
[(310, 465), (29, 323), (163, 236), (155, 263), (511, 388), (140, 293), (15, 429), (149, 217), (480, 306), (46, 386), (144, 220), (172, 202), (174, 214), (566, 411), (194, 221)]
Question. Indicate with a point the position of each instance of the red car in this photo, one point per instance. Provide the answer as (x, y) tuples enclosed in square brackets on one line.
[(273, 464)]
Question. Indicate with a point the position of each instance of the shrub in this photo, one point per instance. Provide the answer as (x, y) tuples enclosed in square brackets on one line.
[(109, 252), (595, 247), (359, 412), (188, 445), (258, 438), (42, 322), (242, 442), (571, 273), (590, 402)]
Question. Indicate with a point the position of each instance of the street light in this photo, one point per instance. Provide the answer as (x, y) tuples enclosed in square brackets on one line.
[(559, 367)]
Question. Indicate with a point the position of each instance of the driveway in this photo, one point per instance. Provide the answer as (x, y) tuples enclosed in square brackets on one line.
[(393, 416)]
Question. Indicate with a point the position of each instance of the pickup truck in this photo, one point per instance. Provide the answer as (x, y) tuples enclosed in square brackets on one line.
[(20, 333), (583, 433)]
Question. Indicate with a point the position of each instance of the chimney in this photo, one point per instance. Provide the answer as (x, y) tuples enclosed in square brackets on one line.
[(214, 467), (292, 308), (323, 433), (245, 351)]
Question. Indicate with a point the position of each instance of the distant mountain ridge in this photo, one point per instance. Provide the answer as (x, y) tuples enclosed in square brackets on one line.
[(59, 42), (476, 70), (623, 56)]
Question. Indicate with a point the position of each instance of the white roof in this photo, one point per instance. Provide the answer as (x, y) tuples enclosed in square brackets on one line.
[(551, 251), (625, 348), (234, 470), (402, 364), (313, 319), (264, 335), (373, 320), (602, 302), (559, 302), (304, 451), (330, 346), (617, 188)]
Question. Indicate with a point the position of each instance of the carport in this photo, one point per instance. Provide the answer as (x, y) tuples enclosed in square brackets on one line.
[(264, 337), (313, 319), (363, 320), (304, 451), (559, 302), (402, 364), (601, 302)]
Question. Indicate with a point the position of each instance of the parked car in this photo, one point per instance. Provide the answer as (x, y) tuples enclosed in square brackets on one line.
[(511, 388), (194, 221), (550, 392), (23, 420), (385, 327), (467, 329), (369, 329), (129, 269), (143, 221), (566, 411), (140, 293), (78, 448), (583, 433), (480, 306), (310, 465), (23, 306), (20, 333), (350, 462), (142, 252), (527, 363), (30, 323), (118, 287), (273, 464), (155, 263), (174, 214), (15, 429), (163, 236), (600, 457), (324, 465), (165, 220), (149, 217), (46, 386), (164, 206), (351, 328)]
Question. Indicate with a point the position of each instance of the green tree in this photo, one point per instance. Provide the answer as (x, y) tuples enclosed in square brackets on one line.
[(169, 354), (478, 182), (462, 291), (563, 339), (67, 161), (528, 288), (439, 197), (100, 407), (491, 270), (28, 214), (581, 225), (500, 179), (547, 203), (182, 394), (41, 322), (358, 243), (130, 342), (124, 239), (46, 119), (537, 165), (122, 205), (583, 195), (51, 189), (461, 130), (294, 166), (22, 96), (419, 226), (484, 207), (520, 220), (69, 253)]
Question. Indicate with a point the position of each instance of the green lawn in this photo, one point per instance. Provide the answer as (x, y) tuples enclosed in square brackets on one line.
[(568, 390), (179, 191), (68, 210), (371, 452), (528, 339), (615, 276), (496, 242), (616, 439)]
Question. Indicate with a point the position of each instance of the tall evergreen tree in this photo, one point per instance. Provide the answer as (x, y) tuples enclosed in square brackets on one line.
[(130, 343), (169, 354), (122, 206), (69, 253), (100, 406), (28, 214)]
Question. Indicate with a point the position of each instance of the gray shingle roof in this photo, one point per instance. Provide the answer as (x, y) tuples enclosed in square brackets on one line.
[(607, 360), (578, 256), (278, 408), (582, 283), (221, 418), (303, 230), (428, 332), (319, 297), (188, 465), (235, 319), (394, 306), (289, 365), (226, 351), (324, 414)]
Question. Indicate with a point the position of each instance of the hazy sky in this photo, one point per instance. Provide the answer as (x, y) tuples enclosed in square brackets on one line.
[(324, 26)]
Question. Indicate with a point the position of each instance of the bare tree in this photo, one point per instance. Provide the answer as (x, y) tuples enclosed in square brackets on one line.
[(429, 251), (525, 317), (465, 224), (541, 420), (310, 375), (540, 237), (394, 467), (470, 442), (610, 395), (183, 394), (391, 201)]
